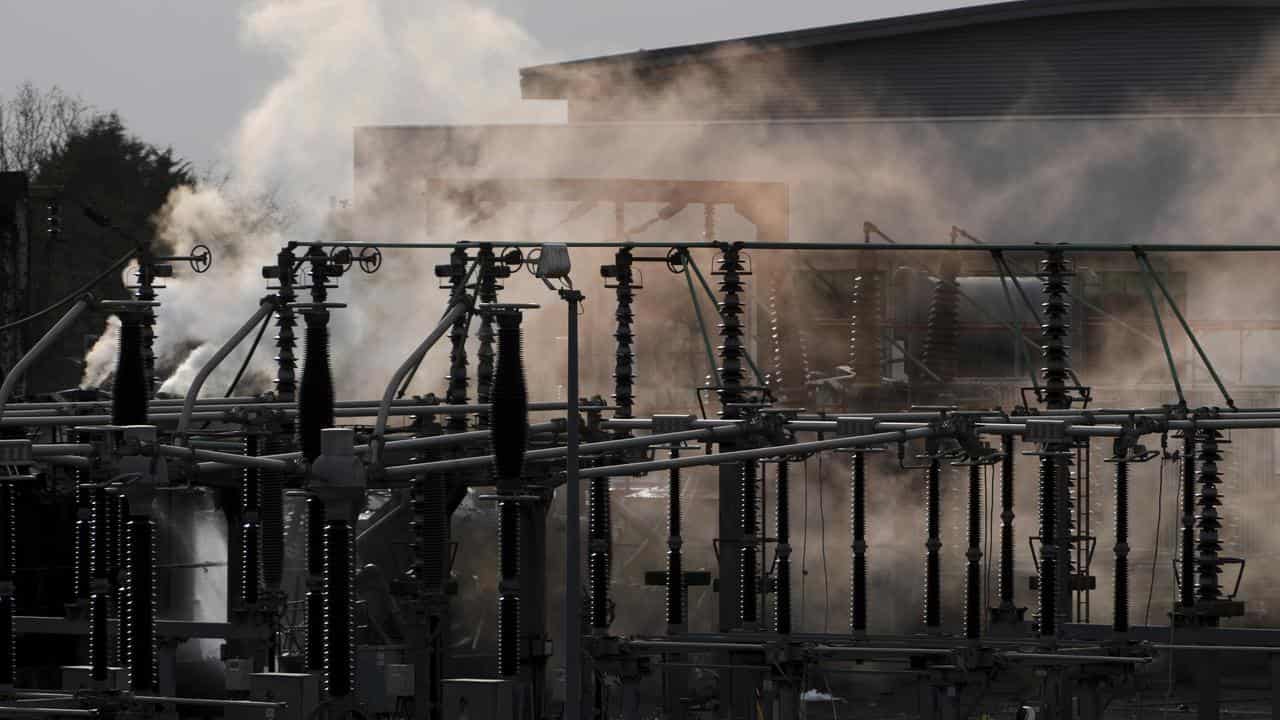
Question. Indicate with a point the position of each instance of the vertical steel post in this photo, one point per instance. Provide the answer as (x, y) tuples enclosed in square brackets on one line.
[(1007, 611), (573, 513), (1120, 615), (973, 557), (858, 510), (675, 561), (1187, 559), (933, 544)]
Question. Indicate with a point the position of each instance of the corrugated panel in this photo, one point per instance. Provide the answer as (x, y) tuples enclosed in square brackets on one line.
[(1177, 60)]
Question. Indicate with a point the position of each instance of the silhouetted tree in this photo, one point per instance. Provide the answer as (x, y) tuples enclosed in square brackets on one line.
[(104, 167), (35, 124)]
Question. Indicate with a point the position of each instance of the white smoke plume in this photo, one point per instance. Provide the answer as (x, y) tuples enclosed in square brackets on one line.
[(346, 64)]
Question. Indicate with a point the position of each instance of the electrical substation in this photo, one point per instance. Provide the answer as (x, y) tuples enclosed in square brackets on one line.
[(704, 417)]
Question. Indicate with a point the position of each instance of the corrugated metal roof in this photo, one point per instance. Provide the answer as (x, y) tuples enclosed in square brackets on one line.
[(1047, 57)]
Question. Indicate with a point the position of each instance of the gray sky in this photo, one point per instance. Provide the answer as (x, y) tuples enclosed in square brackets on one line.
[(184, 74)]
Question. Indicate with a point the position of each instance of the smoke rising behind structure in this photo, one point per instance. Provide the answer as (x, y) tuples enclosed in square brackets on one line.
[(1117, 180)]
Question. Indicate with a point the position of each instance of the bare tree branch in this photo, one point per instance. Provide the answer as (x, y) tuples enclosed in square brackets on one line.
[(35, 125)]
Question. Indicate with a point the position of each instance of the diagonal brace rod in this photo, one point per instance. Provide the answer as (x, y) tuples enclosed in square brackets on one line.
[(702, 326), (1164, 340), (1204, 357)]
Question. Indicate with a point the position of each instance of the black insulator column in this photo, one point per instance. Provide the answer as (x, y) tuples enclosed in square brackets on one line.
[(84, 542), (488, 293), (271, 517), (933, 544), (731, 348), (1187, 559), (120, 516), (315, 398), (130, 392), (146, 292), (1054, 351), (430, 528), (1209, 523), (748, 590), (250, 494), (431, 532), (1120, 614), (675, 561), (509, 588), (510, 434), (510, 437), (8, 551), (1055, 471), (942, 337), (782, 597), (286, 341), (339, 593), (315, 583), (456, 391), (858, 524), (865, 321), (731, 395), (624, 358), (139, 615), (598, 560), (973, 558), (99, 652), (1048, 551), (1007, 608)]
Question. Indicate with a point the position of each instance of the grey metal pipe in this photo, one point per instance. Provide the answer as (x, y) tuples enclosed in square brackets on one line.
[(758, 453), (647, 423), (433, 441), (210, 702), (1222, 648), (265, 308), (1224, 424), (9, 710), (403, 471), (661, 645), (75, 461), (1069, 659), (48, 449), (232, 459), (1070, 430), (860, 651), (20, 369), (410, 363), (61, 420)]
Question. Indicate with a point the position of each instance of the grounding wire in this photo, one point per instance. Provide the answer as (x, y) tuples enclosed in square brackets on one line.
[(826, 578), (404, 386), (249, 356), (73, 295), (1155, 546), (804, 544), (990, 474)]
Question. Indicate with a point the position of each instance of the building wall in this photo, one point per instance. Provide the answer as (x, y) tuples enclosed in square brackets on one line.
[(1205, 59)]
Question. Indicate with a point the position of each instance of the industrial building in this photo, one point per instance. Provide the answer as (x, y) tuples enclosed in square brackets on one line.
[(920, 367)]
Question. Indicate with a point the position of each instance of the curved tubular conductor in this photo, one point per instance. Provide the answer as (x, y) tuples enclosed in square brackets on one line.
[(266, 307), (759, 453), (20, 369), (411, 362)]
